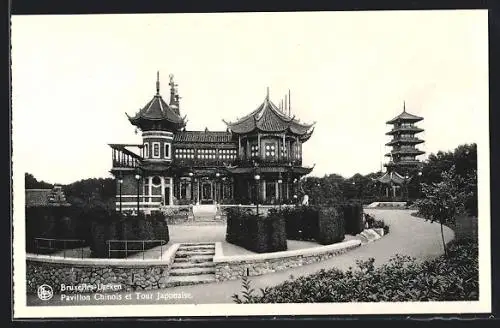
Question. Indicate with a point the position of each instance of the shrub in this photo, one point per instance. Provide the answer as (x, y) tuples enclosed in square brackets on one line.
[(371, 223), (401, 279), (331, 226), (254, 232), (353, 217)]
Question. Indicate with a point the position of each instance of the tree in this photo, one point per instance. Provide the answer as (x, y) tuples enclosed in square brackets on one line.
[(30, 182), (447, 199)]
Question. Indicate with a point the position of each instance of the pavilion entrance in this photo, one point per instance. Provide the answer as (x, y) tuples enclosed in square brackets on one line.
[(207, 192)]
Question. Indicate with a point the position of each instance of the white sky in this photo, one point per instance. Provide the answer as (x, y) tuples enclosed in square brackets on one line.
[(74, 77)]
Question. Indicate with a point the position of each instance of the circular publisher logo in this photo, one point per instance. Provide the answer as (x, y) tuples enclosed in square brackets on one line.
[(45, 292)]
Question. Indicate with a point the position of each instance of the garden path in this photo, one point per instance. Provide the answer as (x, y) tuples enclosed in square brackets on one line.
[(408, 235)]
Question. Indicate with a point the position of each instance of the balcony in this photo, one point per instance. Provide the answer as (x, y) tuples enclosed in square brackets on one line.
[(267, 162), (123, 158)]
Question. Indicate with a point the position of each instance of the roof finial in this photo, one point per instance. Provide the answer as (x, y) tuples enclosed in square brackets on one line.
[(404, 106), (267, 95), (157, 82)]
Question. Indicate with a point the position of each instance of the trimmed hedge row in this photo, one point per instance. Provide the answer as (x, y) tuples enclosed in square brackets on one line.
[(95, 226), (116, 226), (322, 224), (331, 226), (353, 217), (254, 232)]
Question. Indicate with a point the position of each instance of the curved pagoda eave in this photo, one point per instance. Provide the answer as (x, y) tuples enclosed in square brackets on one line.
[(405, 129)]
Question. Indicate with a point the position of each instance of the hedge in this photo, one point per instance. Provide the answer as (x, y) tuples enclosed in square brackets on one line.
[(115, 226), (254, 232), (95, 226), (331, 226), (353, 217), (322, 224), (56, 222)]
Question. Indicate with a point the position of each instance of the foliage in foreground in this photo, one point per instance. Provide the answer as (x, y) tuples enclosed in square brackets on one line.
[(402, 279)]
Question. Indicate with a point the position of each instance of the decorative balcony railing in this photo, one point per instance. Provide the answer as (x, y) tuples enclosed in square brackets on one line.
[(124, 158)]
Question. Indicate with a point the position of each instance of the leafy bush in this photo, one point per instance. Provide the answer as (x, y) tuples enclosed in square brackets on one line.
[(372, 223), (401, 279), (353, 217), (254, 232)]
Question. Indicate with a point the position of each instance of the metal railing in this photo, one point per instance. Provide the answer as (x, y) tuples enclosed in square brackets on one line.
[(49, 246), (128, 250)]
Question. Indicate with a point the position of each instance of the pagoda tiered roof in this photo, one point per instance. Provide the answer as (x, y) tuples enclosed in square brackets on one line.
[(400, 140), (269, 118), (413, 151), (405, 117), (157, 111), (412, 129)]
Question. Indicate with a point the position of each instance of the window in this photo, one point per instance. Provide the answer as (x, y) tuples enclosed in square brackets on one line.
[(166, 154), (270, 150), (156, 150), (146, 150), (254, 150), (156, 181)]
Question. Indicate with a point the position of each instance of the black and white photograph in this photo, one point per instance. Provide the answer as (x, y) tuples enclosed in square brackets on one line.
[(214, 164)]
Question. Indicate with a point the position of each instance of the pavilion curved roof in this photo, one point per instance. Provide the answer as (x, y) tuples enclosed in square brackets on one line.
[(392, 177), (268, 118), (157, 110)]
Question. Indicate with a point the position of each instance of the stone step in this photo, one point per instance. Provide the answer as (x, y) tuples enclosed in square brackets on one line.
[(198, 244), (192, 271), (189, 265), (195, 247), (194, 259), (194, 253), (190, 280)]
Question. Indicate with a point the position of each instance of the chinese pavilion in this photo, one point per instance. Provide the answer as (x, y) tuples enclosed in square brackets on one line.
[(257, 159), (403, 163)]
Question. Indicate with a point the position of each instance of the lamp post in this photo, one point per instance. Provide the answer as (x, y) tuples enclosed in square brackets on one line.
[(406, 186), (280, 181), (138, 178), (257, 178), (217, 175), (120, 182), (191, 177)]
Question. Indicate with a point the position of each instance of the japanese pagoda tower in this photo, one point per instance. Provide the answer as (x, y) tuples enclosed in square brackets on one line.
[(403, 163)]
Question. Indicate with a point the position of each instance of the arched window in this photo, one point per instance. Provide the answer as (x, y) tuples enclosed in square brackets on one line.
[(146, 150)]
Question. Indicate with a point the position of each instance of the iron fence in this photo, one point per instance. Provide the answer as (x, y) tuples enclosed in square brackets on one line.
[(51, 246), (129, 247)]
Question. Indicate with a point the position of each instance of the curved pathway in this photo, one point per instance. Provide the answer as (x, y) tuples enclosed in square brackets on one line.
[(408, 235)]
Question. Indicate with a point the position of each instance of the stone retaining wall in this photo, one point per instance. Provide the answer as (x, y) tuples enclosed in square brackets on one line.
[(235, 267), (90, 274)]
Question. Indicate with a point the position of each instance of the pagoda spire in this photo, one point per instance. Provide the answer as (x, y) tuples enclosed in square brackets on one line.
[(267, 94), (404, 106), (157, 83)]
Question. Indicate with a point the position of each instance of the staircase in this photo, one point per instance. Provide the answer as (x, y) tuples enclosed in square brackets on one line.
[(206, 214), (193, 264)]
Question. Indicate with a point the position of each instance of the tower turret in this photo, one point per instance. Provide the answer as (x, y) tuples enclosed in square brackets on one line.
[(158, 122)]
